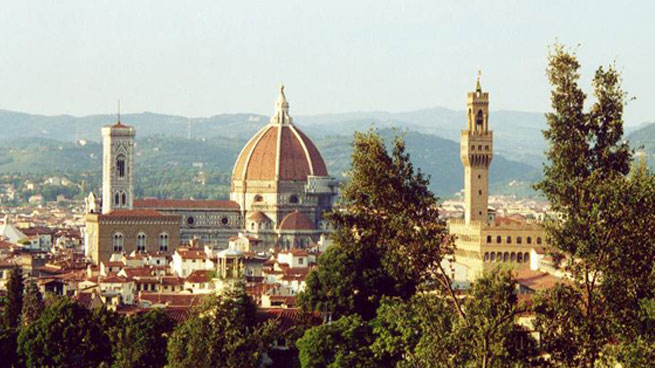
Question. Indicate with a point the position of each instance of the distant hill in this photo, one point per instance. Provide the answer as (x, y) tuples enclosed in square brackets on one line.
[(436, 156), (643, 139), (518, 134)]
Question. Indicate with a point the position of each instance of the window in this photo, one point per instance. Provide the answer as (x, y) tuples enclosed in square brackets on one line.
[(526, 257), (505, 257), (120, 166), (493, 257), (301, 260), (519, 240), (538, 240), (479, 191), (498, 239), (512, 257), (486, 148), (293, 199), (224, 220), (472, 147), (163, 243), (488, 238), (478, 121), (141, 242), (124, 199), (509, 240), (486, 256), (117, 199), (118, 242), (529, 240), (519, 258), (258, 198)]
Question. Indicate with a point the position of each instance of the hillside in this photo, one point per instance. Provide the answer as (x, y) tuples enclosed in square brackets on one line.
[(157, 154), (518, 134)]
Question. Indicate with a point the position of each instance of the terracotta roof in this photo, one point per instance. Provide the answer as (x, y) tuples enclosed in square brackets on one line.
[(171, 299), (183, 203), (199, 276), (113, 280), (191, 253), (509, 220), (258, 216), (296, 158), (290, 317), (296, 252), (133, 213), (296, 221), (536, 280)]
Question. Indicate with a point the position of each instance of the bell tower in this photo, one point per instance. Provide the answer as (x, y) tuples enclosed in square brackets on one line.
[(117, 167), (476, 152)]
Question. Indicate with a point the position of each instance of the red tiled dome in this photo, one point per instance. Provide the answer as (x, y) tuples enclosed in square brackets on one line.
[(296, 221), (279, 151)]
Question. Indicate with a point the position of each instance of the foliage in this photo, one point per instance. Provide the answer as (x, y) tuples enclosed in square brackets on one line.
[(8, 356), (65, 335), (343, 343), (387, 233), (14, 301), (607, 221), (142, 341), (222, 332), (427, 330), (33, 303)]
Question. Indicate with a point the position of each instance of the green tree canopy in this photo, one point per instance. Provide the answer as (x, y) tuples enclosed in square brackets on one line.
[(14, 300), (142, 341), (33, 303), (65, 335)]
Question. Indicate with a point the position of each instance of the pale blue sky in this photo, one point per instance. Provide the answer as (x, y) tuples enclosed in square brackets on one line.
[(208, 57)]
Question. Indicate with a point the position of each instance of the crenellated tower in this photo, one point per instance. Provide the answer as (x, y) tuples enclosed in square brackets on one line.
[(476, 152)]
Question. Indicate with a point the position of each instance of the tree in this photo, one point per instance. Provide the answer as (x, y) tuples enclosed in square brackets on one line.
[(8, 356), (387, 234), (344, 343), (65, 335), (223, 332), (32, 303), (142, 341), (606, 218), (14, 303), (428, 331)]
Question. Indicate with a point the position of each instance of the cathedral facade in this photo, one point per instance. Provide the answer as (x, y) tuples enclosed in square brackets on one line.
[(279, 192), (484, 240)]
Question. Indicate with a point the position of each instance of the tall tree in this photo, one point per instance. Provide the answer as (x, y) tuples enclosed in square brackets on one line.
[(142, 341), (14, 303), (65, 335), (33, 303), (586, 182), (387, 233), (223, 332)]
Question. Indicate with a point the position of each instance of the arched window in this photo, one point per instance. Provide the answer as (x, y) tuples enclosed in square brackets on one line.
[(499, 257), (141, 242), (486, 256), (123, 199), (509, 240), (258, 198), (293, 199), (505, 257), (498, 239), (163, 242), (512, 257), (526, 257), (519, 258), (538, 240), (478, 121), (519, 240), (488, 238), (493, 257), (120, 166), (118, 242), (529, 240), (117, 199)]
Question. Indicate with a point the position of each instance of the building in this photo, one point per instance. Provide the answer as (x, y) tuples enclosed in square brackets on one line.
[(483, 239), (279, 192)]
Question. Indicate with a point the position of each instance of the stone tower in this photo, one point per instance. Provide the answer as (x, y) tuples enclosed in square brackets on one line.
[(476, 152), (117, 167)]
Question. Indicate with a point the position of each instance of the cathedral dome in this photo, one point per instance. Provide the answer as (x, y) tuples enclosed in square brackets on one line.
[(279, 151), (296, 221)]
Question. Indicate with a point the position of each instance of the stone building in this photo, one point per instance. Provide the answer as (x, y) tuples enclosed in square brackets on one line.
[(484, 240), (280, 190)]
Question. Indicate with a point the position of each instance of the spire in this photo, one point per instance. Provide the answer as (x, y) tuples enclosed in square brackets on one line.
[(478, 87), (118, 113), (281, 109)]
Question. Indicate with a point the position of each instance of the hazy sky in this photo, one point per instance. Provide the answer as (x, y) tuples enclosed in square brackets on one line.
[(208, 57)]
